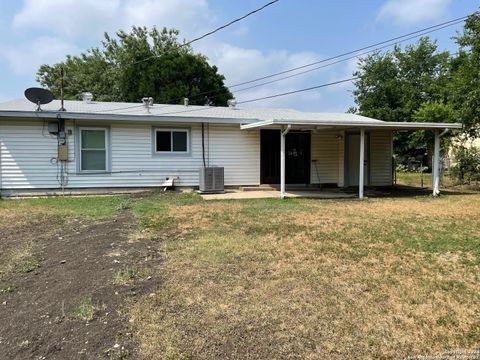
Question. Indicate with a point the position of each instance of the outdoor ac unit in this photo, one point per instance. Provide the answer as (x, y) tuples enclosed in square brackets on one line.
[(211, 179)]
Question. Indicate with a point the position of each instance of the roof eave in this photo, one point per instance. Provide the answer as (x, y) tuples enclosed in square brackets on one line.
[(356, 124), (119, 117)]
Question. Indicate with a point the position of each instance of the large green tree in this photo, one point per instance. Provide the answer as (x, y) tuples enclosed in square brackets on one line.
[(395, 85), (140, 63), (465, 77)]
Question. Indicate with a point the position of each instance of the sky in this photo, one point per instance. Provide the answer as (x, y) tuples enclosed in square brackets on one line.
[(288, 34)]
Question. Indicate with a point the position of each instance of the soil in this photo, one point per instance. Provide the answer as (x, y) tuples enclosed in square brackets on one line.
[(78, 260)]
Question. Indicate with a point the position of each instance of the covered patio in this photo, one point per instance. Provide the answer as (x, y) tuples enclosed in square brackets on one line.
[(348, 123)]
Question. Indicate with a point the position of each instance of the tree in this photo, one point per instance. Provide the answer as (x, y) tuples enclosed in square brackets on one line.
[(393, 86), (436, 111), (465, 77), (138, 64)]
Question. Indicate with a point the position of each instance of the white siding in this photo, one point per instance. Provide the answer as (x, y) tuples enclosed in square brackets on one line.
[(381, 158), (237, 151), (327, 158), (26, 153)]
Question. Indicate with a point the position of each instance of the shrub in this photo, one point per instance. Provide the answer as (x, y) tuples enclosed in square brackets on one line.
[(467, 167)]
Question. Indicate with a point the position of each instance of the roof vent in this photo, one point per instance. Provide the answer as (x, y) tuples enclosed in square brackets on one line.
[(86, 97), (185, 101), (147, 103), (232, 103)]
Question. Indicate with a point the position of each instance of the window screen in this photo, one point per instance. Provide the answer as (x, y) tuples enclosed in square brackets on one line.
[(171, 141), (164, 141), (93, 152)]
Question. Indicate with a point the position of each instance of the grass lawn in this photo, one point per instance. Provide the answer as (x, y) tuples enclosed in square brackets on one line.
[(294, 278), (415, 179)]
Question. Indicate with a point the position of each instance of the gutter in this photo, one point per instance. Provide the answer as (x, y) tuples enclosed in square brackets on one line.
[(356, 124), (119, 117)]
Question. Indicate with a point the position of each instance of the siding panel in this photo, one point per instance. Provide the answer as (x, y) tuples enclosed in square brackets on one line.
[(381, 158), (26, 153), (325, 168)]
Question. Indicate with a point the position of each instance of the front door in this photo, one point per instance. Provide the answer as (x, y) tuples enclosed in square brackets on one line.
[(353, 159), (297, 157)]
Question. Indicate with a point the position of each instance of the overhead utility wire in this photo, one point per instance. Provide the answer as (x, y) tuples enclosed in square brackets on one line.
[(408, 36), (349, 52), (231, 22), (263, 98), (216, 30), (297, 91), (345, 59), (404, 37)]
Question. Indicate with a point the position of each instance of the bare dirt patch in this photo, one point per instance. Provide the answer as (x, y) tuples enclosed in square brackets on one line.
[(69, 307)]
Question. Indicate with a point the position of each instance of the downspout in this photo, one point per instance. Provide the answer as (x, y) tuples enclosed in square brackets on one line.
[(436, 162), (203, 144)]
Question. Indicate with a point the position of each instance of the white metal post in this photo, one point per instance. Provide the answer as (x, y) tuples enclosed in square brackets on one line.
[(362, 160), (283, 133), (436, 165)]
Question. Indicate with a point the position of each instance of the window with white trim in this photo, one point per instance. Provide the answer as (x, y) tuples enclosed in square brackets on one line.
[(172, 141), (93, 152)]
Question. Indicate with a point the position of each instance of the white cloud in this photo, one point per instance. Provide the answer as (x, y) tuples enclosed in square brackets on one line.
[(64, 23), (26, 58), (406, 12), (243, 64), (90, 18)]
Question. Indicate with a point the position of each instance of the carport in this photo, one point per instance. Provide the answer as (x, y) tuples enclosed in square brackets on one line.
[(351, 122)]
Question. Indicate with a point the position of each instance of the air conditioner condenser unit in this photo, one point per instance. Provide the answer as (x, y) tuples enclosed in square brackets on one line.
[(211, 179)]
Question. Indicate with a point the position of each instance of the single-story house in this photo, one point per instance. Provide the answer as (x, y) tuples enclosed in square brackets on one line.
[(107, 145)]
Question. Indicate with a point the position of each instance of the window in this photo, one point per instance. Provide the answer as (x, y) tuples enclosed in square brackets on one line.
[(93, 149), (171, 140)]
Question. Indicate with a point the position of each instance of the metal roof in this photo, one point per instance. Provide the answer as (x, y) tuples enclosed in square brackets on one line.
[(249, 118)]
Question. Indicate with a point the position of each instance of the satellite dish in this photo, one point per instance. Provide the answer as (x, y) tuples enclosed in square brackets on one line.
[(38, 96)]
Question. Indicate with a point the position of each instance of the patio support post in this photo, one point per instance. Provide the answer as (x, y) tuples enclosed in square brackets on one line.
[(362, 161), (283, 133), (436, 165)]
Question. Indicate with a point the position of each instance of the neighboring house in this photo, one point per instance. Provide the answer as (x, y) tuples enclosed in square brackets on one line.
[(119, 145)]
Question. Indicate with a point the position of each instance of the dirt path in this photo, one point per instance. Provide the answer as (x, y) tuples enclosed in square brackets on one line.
[(78, 261)]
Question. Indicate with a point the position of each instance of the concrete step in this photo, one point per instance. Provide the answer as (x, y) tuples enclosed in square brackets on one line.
[(257, 188)]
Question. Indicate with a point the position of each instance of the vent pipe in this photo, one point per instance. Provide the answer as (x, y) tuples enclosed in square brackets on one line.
[(86, 97), (232, 103)]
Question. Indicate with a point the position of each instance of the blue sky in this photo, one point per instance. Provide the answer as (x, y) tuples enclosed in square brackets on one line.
[(288, 34)]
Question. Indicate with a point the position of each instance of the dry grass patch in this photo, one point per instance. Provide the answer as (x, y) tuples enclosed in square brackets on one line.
[(19, 258), (315, 279)]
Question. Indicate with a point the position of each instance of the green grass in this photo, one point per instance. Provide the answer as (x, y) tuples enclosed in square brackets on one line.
[(19, 259), (415, 179), (128, 275), (90, 206), (86, 310), (308, 278), (298, 278), (7, 289)]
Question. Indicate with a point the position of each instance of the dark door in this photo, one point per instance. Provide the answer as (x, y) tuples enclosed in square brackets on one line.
[(297, 157)]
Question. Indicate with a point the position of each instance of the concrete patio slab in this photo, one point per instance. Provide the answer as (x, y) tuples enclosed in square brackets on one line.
[(265, 194)]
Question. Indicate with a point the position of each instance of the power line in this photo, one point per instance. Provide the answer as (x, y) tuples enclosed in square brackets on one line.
[(216, 30), (385, 43), (376, 46), (351, 52), (232, 22), (345, 59), (300, 90), (266, 97)]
